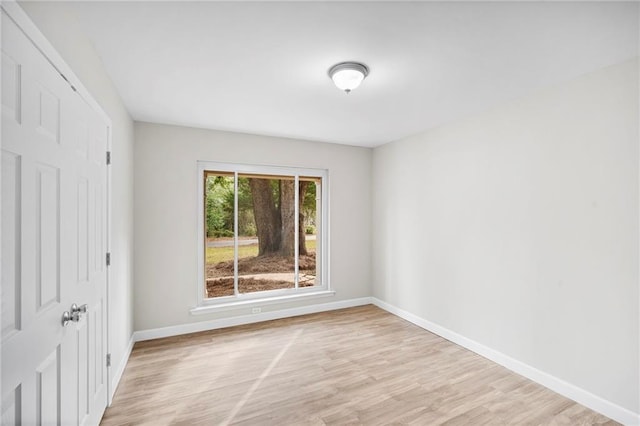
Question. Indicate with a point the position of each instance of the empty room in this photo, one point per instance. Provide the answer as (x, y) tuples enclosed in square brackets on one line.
[(320, 213)]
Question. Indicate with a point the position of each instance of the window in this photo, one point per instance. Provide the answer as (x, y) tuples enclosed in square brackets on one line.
[(262, 233)]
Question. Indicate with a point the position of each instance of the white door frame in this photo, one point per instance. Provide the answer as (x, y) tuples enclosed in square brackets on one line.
[(23, 21)]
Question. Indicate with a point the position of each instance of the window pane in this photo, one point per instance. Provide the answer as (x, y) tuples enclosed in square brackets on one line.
[(266, 224), (310, 223), (219, 247)]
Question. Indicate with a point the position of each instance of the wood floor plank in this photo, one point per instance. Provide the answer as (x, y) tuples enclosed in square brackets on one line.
[(357, 366)]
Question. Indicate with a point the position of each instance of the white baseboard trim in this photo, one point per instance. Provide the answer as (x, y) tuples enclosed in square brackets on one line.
[(581, 396), (119, 369), (195, 327)]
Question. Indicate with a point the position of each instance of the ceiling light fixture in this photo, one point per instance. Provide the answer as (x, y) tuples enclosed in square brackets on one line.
[(348, 75)]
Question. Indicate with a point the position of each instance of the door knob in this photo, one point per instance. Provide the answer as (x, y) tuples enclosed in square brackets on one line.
[(79, 309), (74, 315), (66, 317)]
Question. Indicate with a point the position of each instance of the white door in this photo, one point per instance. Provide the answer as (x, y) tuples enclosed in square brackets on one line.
[(53, 243)]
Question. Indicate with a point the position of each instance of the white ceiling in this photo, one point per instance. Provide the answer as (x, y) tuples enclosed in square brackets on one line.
[(261, 67)]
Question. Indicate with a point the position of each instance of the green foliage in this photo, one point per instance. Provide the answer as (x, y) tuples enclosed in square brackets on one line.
[(219, 207), (219, 213), (246, 220), (309, 205), (275, 189), (308, 209)]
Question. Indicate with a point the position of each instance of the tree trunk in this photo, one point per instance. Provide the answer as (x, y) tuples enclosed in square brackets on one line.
[(287, 217), (275, 226), (302, 237), (266, 215)]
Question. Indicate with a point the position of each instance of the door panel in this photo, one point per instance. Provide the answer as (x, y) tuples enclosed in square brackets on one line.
[(48, 114), (11, 311), (83, 371), (11, 95), (83, 229), (47, 249), (53, 243), (48, 388), (11, 407)]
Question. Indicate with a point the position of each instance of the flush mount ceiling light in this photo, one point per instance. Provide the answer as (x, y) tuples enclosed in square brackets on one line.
[(348, 75)]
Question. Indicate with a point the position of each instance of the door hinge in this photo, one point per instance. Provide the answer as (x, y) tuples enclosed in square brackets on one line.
[(108, 157), (108, 360), (108, 259)]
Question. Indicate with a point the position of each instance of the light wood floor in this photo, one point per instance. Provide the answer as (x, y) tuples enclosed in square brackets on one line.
[(353, 366)]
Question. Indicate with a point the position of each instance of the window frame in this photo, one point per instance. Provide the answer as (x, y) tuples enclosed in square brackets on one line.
[(205, 304)]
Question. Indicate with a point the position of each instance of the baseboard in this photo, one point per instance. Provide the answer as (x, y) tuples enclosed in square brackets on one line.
[(195, 327), (119, 369), (581, 396)]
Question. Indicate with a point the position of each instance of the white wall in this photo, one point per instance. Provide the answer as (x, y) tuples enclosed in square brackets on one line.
[(63, 31), (166, 215), (518, 229)]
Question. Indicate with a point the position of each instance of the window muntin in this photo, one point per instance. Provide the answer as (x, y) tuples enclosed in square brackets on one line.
[(251, 219)]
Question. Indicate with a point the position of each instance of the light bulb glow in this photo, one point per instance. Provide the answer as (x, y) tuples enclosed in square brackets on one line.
[(348, 75), (348, 80)]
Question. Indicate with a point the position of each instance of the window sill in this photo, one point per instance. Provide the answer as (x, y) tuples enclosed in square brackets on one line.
[(236, 304)]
